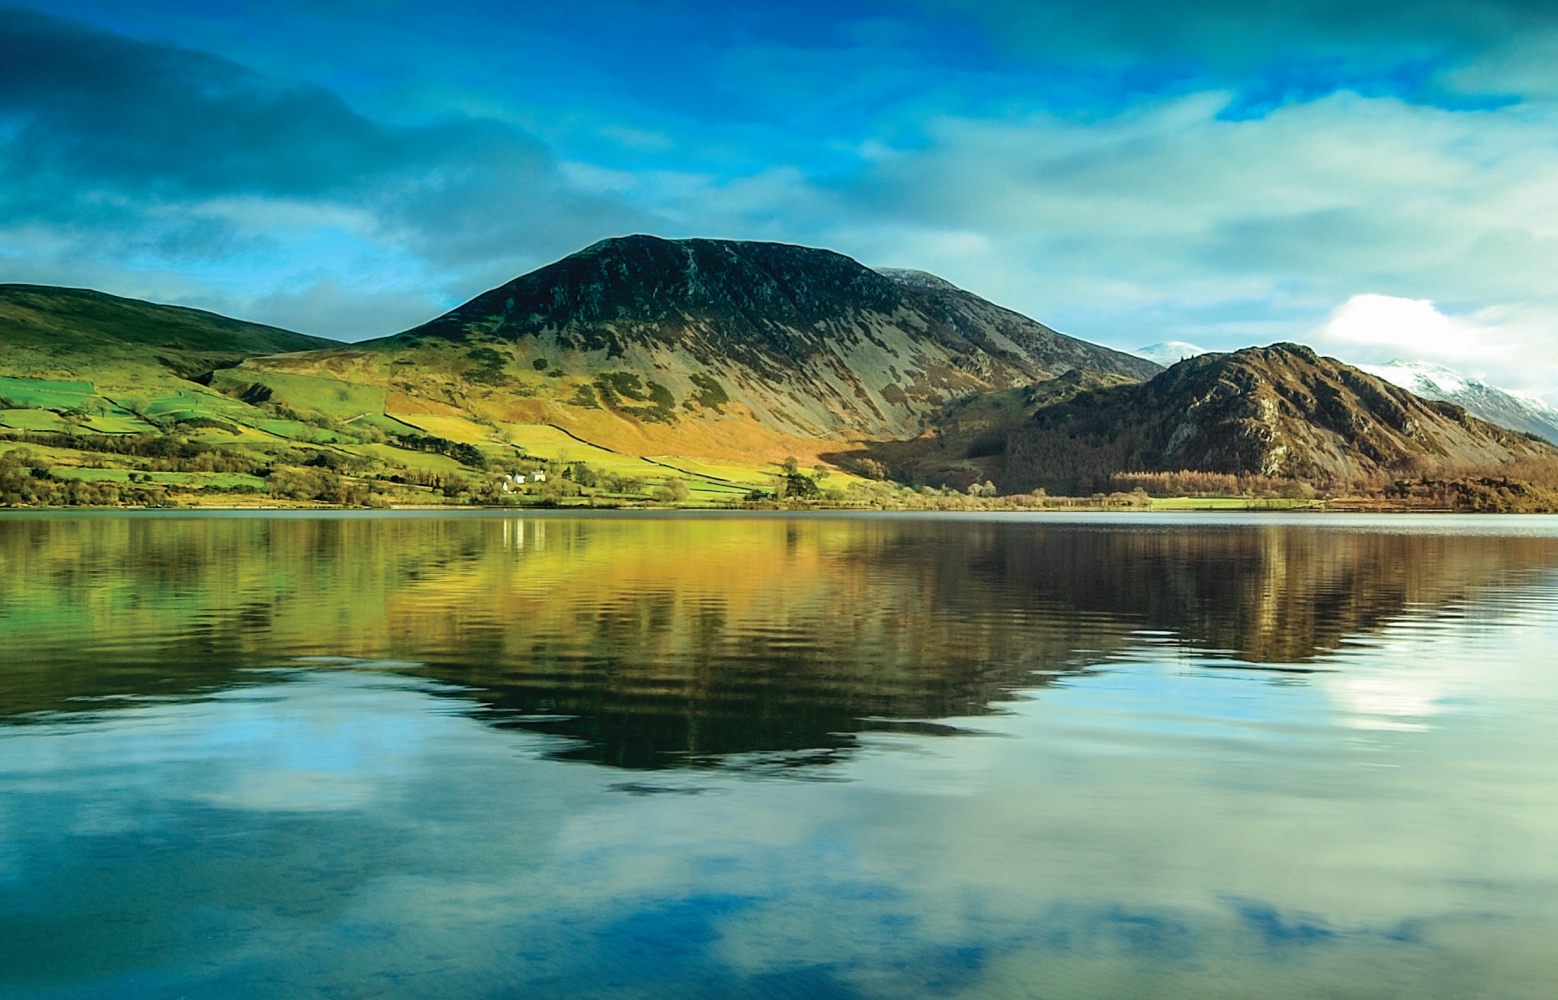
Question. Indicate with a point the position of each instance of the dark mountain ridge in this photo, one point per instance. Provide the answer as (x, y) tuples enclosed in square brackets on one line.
[(808, 340)]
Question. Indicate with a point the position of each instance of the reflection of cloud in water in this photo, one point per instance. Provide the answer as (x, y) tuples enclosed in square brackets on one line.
[(1436, 661), (316, 742), (1226, 845)]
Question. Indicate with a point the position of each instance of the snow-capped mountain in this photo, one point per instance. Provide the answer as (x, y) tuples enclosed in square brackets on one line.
[(1169, 352), (1519, 411)]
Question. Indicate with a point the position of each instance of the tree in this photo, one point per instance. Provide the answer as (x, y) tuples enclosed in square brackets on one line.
[(798, 487), (673, 491), (871, 468), (791, 466)]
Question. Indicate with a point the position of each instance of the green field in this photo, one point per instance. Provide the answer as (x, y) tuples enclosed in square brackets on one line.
[(24, 393), (195, 403), (427, 461), (330, 397), (1229, 503), (118, 422), (33, 420), (189, 480)]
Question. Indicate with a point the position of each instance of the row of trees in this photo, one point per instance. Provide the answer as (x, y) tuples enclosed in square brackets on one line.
[(28, 480)]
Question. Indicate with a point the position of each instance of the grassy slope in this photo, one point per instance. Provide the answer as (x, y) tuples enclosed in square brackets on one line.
[(74, 359), (557, 413), (83, 364)]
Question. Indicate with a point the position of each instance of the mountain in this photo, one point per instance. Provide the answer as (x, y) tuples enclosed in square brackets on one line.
[(76, 331), (1520, 411), (804, 341), (1279, 411), (735, 352), (1169, 352)]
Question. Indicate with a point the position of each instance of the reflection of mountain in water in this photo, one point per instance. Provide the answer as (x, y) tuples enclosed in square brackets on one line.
[(663, 642), (1264, 593)]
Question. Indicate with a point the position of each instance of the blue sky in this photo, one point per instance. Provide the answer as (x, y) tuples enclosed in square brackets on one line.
[(1131, 172)]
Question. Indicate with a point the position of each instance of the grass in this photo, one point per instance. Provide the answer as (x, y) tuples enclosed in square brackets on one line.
[(543, 441), (384, 422), (329, 397), (295, 430), (442, 465), (747, 476), (24, 393), (448, 427), (1228, 503), (209, 480), (192, 403), (118, 423), (33, 420)]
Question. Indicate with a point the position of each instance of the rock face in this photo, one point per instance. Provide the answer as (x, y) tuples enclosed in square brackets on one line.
[(808, 341), (1516, 410), (1279, 411)]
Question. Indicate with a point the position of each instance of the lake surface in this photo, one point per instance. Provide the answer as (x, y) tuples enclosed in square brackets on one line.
[(811, 757)]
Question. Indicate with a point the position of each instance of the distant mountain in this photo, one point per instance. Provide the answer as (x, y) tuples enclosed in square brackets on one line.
[(1516, 410), (1169, 352), (1279, 411), (806, 342), (76, 331)]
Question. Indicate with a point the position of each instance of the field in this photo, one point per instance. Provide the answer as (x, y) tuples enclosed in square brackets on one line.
[(33, 420), (1231, 503), (194, 480), (20, 393), (328, 397)]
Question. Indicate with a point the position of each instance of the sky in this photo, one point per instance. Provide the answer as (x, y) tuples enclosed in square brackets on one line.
[(1377, 178)]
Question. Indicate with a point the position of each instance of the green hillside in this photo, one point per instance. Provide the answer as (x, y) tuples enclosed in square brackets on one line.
[(107, 400), (45, 318)]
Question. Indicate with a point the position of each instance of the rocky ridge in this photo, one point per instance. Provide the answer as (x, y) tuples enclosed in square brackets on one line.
[(1280, 411)]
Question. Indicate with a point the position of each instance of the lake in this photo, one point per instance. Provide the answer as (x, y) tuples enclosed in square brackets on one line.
[(1027, 756)]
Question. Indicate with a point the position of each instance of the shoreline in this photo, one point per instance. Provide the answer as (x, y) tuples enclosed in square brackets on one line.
[(1313, 511)]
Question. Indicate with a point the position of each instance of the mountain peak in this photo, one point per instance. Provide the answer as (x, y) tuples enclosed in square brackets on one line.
[(1169, 352), (810, 341), (1520, 411), (908, 277), (1281, 411)]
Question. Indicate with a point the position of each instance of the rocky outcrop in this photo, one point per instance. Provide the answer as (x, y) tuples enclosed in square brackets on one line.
[(1279, 411)]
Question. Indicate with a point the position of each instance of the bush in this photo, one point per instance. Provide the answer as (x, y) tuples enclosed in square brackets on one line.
[(25, 480), (673, 491), (870, 468), (295, 483)]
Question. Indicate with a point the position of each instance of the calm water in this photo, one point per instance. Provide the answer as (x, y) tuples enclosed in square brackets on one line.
[(426, 756)]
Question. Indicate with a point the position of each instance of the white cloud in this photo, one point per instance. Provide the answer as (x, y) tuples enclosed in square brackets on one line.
[(1508, 347), (1406, 328)]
